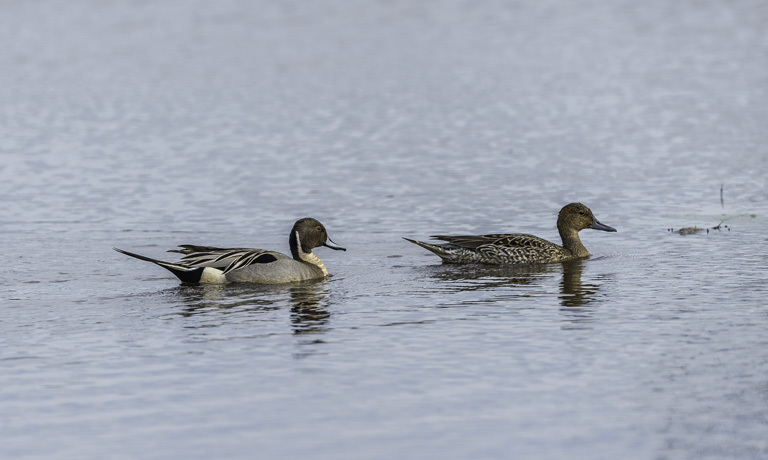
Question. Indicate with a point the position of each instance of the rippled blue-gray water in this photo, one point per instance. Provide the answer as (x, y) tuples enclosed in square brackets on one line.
[(144, 125)]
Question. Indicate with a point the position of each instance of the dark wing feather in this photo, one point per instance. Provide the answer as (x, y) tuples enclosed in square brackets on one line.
[(223, 258), (466, 241), (249, 258), (191, 249), (506, 240)]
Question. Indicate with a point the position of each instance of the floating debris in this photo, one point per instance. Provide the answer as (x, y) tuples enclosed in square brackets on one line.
[(694, 230), (718, 227), (688, 230)]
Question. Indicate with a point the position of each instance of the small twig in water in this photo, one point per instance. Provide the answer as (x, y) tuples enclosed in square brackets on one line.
[(722, 203)]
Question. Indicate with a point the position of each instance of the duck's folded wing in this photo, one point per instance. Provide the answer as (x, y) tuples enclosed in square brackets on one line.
[(502, 247), (223, 258), (507, 240), (466, 241), (255, 256)]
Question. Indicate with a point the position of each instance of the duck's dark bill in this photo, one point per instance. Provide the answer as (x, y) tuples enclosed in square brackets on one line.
[(598, 226), (332, 245)]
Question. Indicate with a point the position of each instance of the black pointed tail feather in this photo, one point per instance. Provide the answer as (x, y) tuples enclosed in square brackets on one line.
[(185, 274)]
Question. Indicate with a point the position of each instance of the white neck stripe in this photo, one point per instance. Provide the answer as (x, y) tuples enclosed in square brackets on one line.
[(309, 257)]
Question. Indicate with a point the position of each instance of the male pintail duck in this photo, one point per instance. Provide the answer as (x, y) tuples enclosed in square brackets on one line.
[(520, 248), (204, 264)]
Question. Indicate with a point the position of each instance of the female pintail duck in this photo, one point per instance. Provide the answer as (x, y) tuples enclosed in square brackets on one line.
[(519, 248), (204, 264)]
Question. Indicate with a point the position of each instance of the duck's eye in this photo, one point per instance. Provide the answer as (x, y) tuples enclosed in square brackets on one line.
[(582, 213)]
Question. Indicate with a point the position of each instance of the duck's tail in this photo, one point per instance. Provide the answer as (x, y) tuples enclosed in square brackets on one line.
[(438, 249), (191, 275)]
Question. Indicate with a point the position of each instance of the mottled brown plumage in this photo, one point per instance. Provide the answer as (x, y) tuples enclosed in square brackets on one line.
[(520, 248)]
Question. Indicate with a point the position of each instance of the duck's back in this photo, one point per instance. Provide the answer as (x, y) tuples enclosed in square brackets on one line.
[(502, 248)]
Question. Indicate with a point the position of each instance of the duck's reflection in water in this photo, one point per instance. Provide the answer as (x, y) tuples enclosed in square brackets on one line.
[(522, 282), (217, 305), (576, 296), (226, 299), (574, 293), (309, 307), (476, 277), (310, 317)]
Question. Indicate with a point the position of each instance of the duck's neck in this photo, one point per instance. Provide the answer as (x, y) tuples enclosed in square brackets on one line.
[(572, 243), (309, 257)]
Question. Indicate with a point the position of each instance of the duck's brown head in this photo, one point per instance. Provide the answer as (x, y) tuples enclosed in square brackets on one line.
[(576, 216)]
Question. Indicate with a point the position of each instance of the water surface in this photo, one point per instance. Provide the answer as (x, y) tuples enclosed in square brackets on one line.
[(144, 125)]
